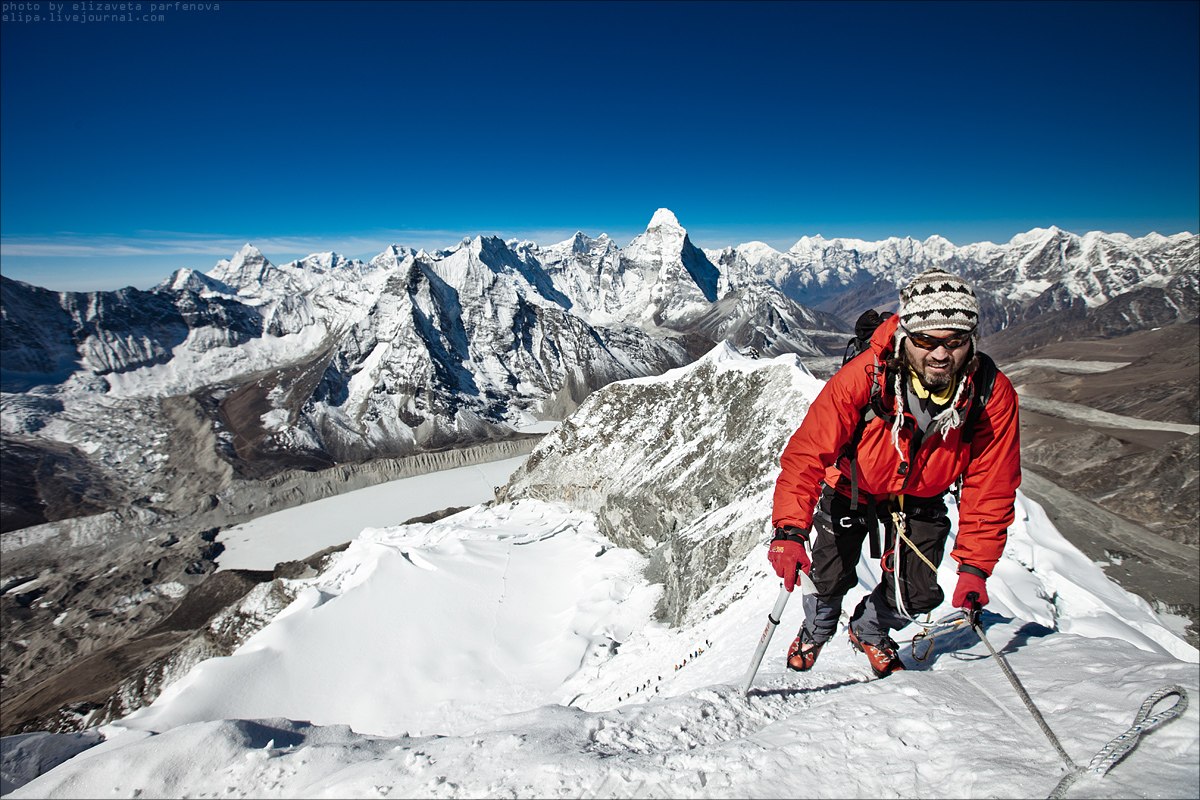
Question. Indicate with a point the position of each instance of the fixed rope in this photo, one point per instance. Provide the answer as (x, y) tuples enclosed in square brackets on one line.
[(977, 626), (1112, 753)]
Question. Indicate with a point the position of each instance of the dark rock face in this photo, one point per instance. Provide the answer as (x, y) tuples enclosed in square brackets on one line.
[(83, 603), (49, 335), (46, 481)]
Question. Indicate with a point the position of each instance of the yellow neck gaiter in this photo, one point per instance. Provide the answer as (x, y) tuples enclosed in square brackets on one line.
[(941, 398)]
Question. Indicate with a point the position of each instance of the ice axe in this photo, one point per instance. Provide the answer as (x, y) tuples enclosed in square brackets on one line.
[(773, 618)]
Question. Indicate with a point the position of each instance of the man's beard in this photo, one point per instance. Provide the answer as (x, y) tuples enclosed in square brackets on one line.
[(936, 382)]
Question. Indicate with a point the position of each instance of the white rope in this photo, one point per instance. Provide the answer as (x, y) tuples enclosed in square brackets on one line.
[(1118, 748), (1112, 752), (899, 524)]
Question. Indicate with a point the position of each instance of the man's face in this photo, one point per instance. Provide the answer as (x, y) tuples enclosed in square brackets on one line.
[(946, 354)]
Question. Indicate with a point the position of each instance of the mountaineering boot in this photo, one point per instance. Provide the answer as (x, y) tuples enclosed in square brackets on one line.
[(802, 655), (885, 658)]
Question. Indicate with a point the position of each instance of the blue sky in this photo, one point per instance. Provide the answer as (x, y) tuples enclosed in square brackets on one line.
[(130, 149)]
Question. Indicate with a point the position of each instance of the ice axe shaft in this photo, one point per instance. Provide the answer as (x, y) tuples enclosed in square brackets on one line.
[(805, 585), (769, 631)]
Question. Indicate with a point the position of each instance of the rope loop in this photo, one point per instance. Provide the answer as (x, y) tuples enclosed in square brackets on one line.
[(1118, 748), (1121, 746)]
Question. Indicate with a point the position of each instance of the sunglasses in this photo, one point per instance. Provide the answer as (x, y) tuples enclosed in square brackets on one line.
[(927, 342)]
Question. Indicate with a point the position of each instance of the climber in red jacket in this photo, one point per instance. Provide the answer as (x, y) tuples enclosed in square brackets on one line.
[(917, 412)]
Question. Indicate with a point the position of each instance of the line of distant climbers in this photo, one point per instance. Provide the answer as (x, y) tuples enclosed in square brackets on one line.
[(699, 651)]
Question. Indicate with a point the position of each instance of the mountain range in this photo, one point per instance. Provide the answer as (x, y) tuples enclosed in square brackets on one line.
[(137, 425), (253, 369)]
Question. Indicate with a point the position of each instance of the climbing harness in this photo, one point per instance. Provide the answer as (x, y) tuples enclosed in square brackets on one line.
[(1111, 753)]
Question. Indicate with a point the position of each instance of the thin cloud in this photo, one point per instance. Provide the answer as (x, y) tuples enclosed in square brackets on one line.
[(164, 243)]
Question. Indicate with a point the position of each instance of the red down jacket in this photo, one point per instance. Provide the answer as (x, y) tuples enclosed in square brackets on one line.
[(990, 464)]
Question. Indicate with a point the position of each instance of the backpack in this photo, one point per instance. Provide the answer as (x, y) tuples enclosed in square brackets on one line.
[(864, 328)]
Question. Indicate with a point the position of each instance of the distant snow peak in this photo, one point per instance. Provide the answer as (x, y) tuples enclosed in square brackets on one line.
[(393, 256), (247, 255), (180, 280), (247, 268), (754, 252), (1038, 235), (580, 242), (806, 244), (938, 245), (664, 217), (322, 261)]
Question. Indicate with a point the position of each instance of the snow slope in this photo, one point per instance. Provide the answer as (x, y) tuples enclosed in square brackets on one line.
[(473, 657), (511, 651)]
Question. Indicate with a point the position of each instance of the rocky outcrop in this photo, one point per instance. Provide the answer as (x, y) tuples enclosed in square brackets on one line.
[(65, 605), (214, 619), (680, 467)]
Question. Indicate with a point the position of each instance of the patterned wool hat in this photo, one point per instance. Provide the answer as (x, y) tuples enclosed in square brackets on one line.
[(937, 300)]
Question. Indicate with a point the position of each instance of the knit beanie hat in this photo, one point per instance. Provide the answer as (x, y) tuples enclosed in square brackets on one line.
[(937, 300)]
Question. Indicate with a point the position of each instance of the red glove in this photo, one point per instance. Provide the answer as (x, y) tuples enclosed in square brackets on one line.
[(970, 582), (789, 556)]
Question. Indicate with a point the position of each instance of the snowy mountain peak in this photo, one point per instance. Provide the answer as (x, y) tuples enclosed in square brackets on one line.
[(188, 280), (247, 268), (755, 252), (580, 242), (664, 217), (397, 253), (1035, 235), (806, 243), (678, 280), (322, 261), (179, 281)]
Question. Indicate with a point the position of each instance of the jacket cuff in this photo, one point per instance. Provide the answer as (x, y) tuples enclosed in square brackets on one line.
[(791, 533), (972, 570)]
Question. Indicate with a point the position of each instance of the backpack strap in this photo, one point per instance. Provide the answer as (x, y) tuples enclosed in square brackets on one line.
[(985, 377), (872, 410), (850, 352)]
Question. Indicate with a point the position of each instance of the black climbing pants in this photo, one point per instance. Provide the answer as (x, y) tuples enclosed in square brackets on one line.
[(837, 547)]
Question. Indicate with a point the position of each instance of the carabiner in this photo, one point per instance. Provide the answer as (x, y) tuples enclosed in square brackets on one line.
[(925, 637)]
